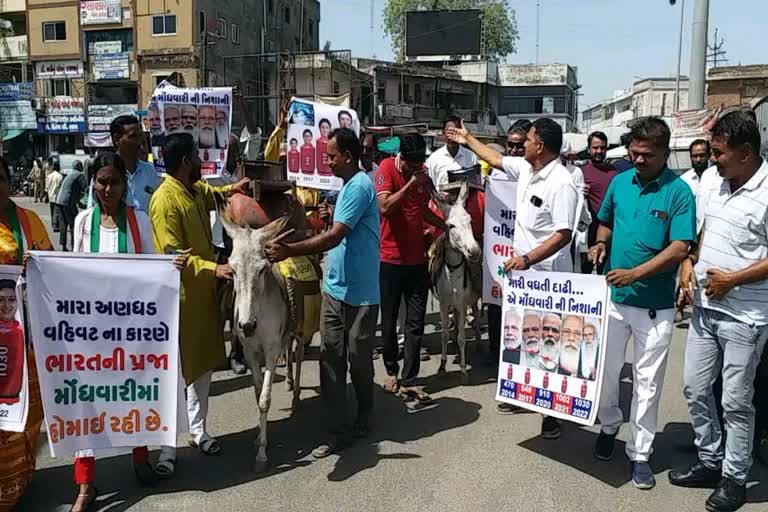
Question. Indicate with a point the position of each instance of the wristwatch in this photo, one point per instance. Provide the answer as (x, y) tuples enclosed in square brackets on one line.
[(527, 261)]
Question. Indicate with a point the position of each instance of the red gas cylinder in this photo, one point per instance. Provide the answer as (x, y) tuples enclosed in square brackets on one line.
[(246, 211)]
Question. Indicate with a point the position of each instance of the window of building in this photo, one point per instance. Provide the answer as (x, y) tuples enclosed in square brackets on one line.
[(124, 36), (287, 14), (201, 21), (236, 33), (270, 46), (311, 28), (54, 31), (159, 79), (336, 87), (60, 87), (164, 25), (271, 5), (221, 28), (417, 94), (381, 91)]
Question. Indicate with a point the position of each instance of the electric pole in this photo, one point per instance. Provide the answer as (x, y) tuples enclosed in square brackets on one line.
[(715, 51), (698, 76)]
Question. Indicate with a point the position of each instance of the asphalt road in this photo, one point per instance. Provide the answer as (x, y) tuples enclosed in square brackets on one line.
[(457, 455)]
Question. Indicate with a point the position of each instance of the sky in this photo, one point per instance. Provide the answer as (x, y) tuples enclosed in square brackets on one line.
[(612, 42)]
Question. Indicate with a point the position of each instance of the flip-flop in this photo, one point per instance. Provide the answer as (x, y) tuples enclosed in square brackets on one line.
[(393, 390), (207, 445), (165, 468)]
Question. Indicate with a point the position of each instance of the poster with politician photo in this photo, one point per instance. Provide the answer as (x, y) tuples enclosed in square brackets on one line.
[(551, 357), (14, 374), (309, 128), (205, 114)]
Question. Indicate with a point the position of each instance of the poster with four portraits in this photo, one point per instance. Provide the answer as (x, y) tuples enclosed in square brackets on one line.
[(553, 333), (309, 128), (206, 114)]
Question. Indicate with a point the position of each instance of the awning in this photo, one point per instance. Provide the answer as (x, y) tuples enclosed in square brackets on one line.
[(11, 134)]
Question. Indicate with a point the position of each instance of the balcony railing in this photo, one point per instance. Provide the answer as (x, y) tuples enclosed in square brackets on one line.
[(13, 48)]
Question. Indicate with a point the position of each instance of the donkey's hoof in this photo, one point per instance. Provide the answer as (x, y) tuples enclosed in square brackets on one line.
[(261, 466)]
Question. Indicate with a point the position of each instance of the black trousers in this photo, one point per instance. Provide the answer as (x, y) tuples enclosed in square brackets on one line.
[(66, 215), (346, 334), (54, 216), (494, 328), (411, 284)]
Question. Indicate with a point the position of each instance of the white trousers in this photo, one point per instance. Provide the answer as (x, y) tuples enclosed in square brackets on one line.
[(197, 411), (652, 337)]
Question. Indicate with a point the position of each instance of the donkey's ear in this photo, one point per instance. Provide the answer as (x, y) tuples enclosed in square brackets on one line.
[(463, 193), (439, 201)]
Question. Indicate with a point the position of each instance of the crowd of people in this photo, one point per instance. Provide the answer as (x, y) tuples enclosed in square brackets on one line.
[(662, 241)]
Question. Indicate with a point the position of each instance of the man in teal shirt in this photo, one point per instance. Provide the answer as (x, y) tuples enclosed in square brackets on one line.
[(647, 223)]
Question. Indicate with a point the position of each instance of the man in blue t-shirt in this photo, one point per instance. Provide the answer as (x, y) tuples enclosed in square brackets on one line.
[(350, 292)]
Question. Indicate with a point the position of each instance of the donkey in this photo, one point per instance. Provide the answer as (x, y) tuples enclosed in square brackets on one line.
[(262, 316), (455, 269)]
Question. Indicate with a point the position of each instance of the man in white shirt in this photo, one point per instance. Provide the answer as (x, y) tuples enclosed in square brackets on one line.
[(547, 201), (727, 282), (700, 153), (450, 157)]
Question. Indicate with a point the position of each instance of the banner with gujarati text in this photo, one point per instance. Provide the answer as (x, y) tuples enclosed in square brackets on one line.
[(14, 376), (105, 332), (553, 331), (499, 231), (309, 127)]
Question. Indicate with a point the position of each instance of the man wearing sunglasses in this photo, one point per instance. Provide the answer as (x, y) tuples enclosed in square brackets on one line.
[(516, 136)]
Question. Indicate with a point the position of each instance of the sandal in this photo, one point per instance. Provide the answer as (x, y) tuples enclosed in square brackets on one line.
[(89, 503), (165, 468), (207, 445), (415, 394), (391, 386)]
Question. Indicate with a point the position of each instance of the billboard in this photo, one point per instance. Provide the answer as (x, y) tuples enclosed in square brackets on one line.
[(442, 34), (101, 12)]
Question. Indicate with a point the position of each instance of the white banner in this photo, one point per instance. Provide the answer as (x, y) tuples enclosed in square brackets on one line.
[(59, 69), (498, 233), (101, 12), (105, 331), (553, 332), (206, 114), (14, 377), (309, 127)]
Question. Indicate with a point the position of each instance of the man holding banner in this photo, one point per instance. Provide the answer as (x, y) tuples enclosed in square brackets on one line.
[(546, 206), (648, 218)]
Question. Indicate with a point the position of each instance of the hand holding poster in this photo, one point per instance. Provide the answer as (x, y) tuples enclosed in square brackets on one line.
[(14, 385), (498, 233), (106, 341), (206, 114), (553, 329), (309, 127)]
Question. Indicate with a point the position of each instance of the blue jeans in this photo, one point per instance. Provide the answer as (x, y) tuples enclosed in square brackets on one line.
[(718, 341)]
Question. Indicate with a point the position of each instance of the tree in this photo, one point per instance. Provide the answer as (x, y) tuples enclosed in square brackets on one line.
[(499, 24)]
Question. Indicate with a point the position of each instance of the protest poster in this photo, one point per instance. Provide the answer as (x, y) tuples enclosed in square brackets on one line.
[(553, 331), (309, 127), (206, 114), (14, 377), (498, 233), (105, 332)]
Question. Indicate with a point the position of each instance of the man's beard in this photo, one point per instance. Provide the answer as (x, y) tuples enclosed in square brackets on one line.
[(700, 167), (569, 359), (588, 358), (156, 130), (549, 354), (190, 129), (172, 131), (597, 159), (207, 137), (512, 343), (222, 134), (531, 351)]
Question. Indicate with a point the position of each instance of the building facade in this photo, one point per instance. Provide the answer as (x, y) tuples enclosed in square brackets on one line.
[(736, 85)]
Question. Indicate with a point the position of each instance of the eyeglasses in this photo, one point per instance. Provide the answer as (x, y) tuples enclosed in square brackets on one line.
[(516, 145)]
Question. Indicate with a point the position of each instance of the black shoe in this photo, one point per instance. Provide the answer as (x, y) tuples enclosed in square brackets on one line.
[(550, 428), (728, 496), (144, 473), (697, 475), (604, 446), (642, 475)]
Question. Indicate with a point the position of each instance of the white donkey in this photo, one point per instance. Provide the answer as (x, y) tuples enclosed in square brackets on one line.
[(261, 318), (455, 268)]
